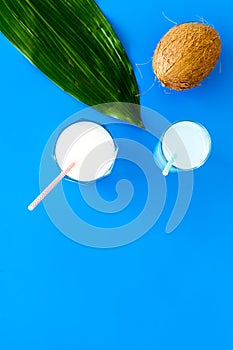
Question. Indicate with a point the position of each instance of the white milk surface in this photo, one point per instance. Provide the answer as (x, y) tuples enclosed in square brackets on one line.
[(189, 142), (89, 145)]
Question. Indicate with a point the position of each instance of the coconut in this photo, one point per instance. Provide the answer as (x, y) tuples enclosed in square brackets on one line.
[(186, 55)]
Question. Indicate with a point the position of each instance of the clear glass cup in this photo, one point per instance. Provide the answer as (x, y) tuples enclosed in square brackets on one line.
[(186, 145), (90, 146)]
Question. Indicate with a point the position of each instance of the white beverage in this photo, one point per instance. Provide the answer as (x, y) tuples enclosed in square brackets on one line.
[(187, 144), (90, 146)]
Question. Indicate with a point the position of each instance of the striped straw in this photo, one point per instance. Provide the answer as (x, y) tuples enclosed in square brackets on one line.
[(49, 188)]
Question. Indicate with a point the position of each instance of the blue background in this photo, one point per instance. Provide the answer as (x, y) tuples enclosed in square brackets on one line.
[(160, 292)]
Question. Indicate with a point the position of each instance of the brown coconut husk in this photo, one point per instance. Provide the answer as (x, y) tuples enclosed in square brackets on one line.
[(185, 55)]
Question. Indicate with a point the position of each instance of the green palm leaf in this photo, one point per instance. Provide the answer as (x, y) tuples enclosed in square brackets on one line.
[(72, 42)]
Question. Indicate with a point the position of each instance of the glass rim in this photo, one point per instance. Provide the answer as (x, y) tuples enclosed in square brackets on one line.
[(205, 131)]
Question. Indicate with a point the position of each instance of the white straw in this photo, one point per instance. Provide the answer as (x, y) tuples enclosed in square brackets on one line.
[(49, 188), (169, 165)]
